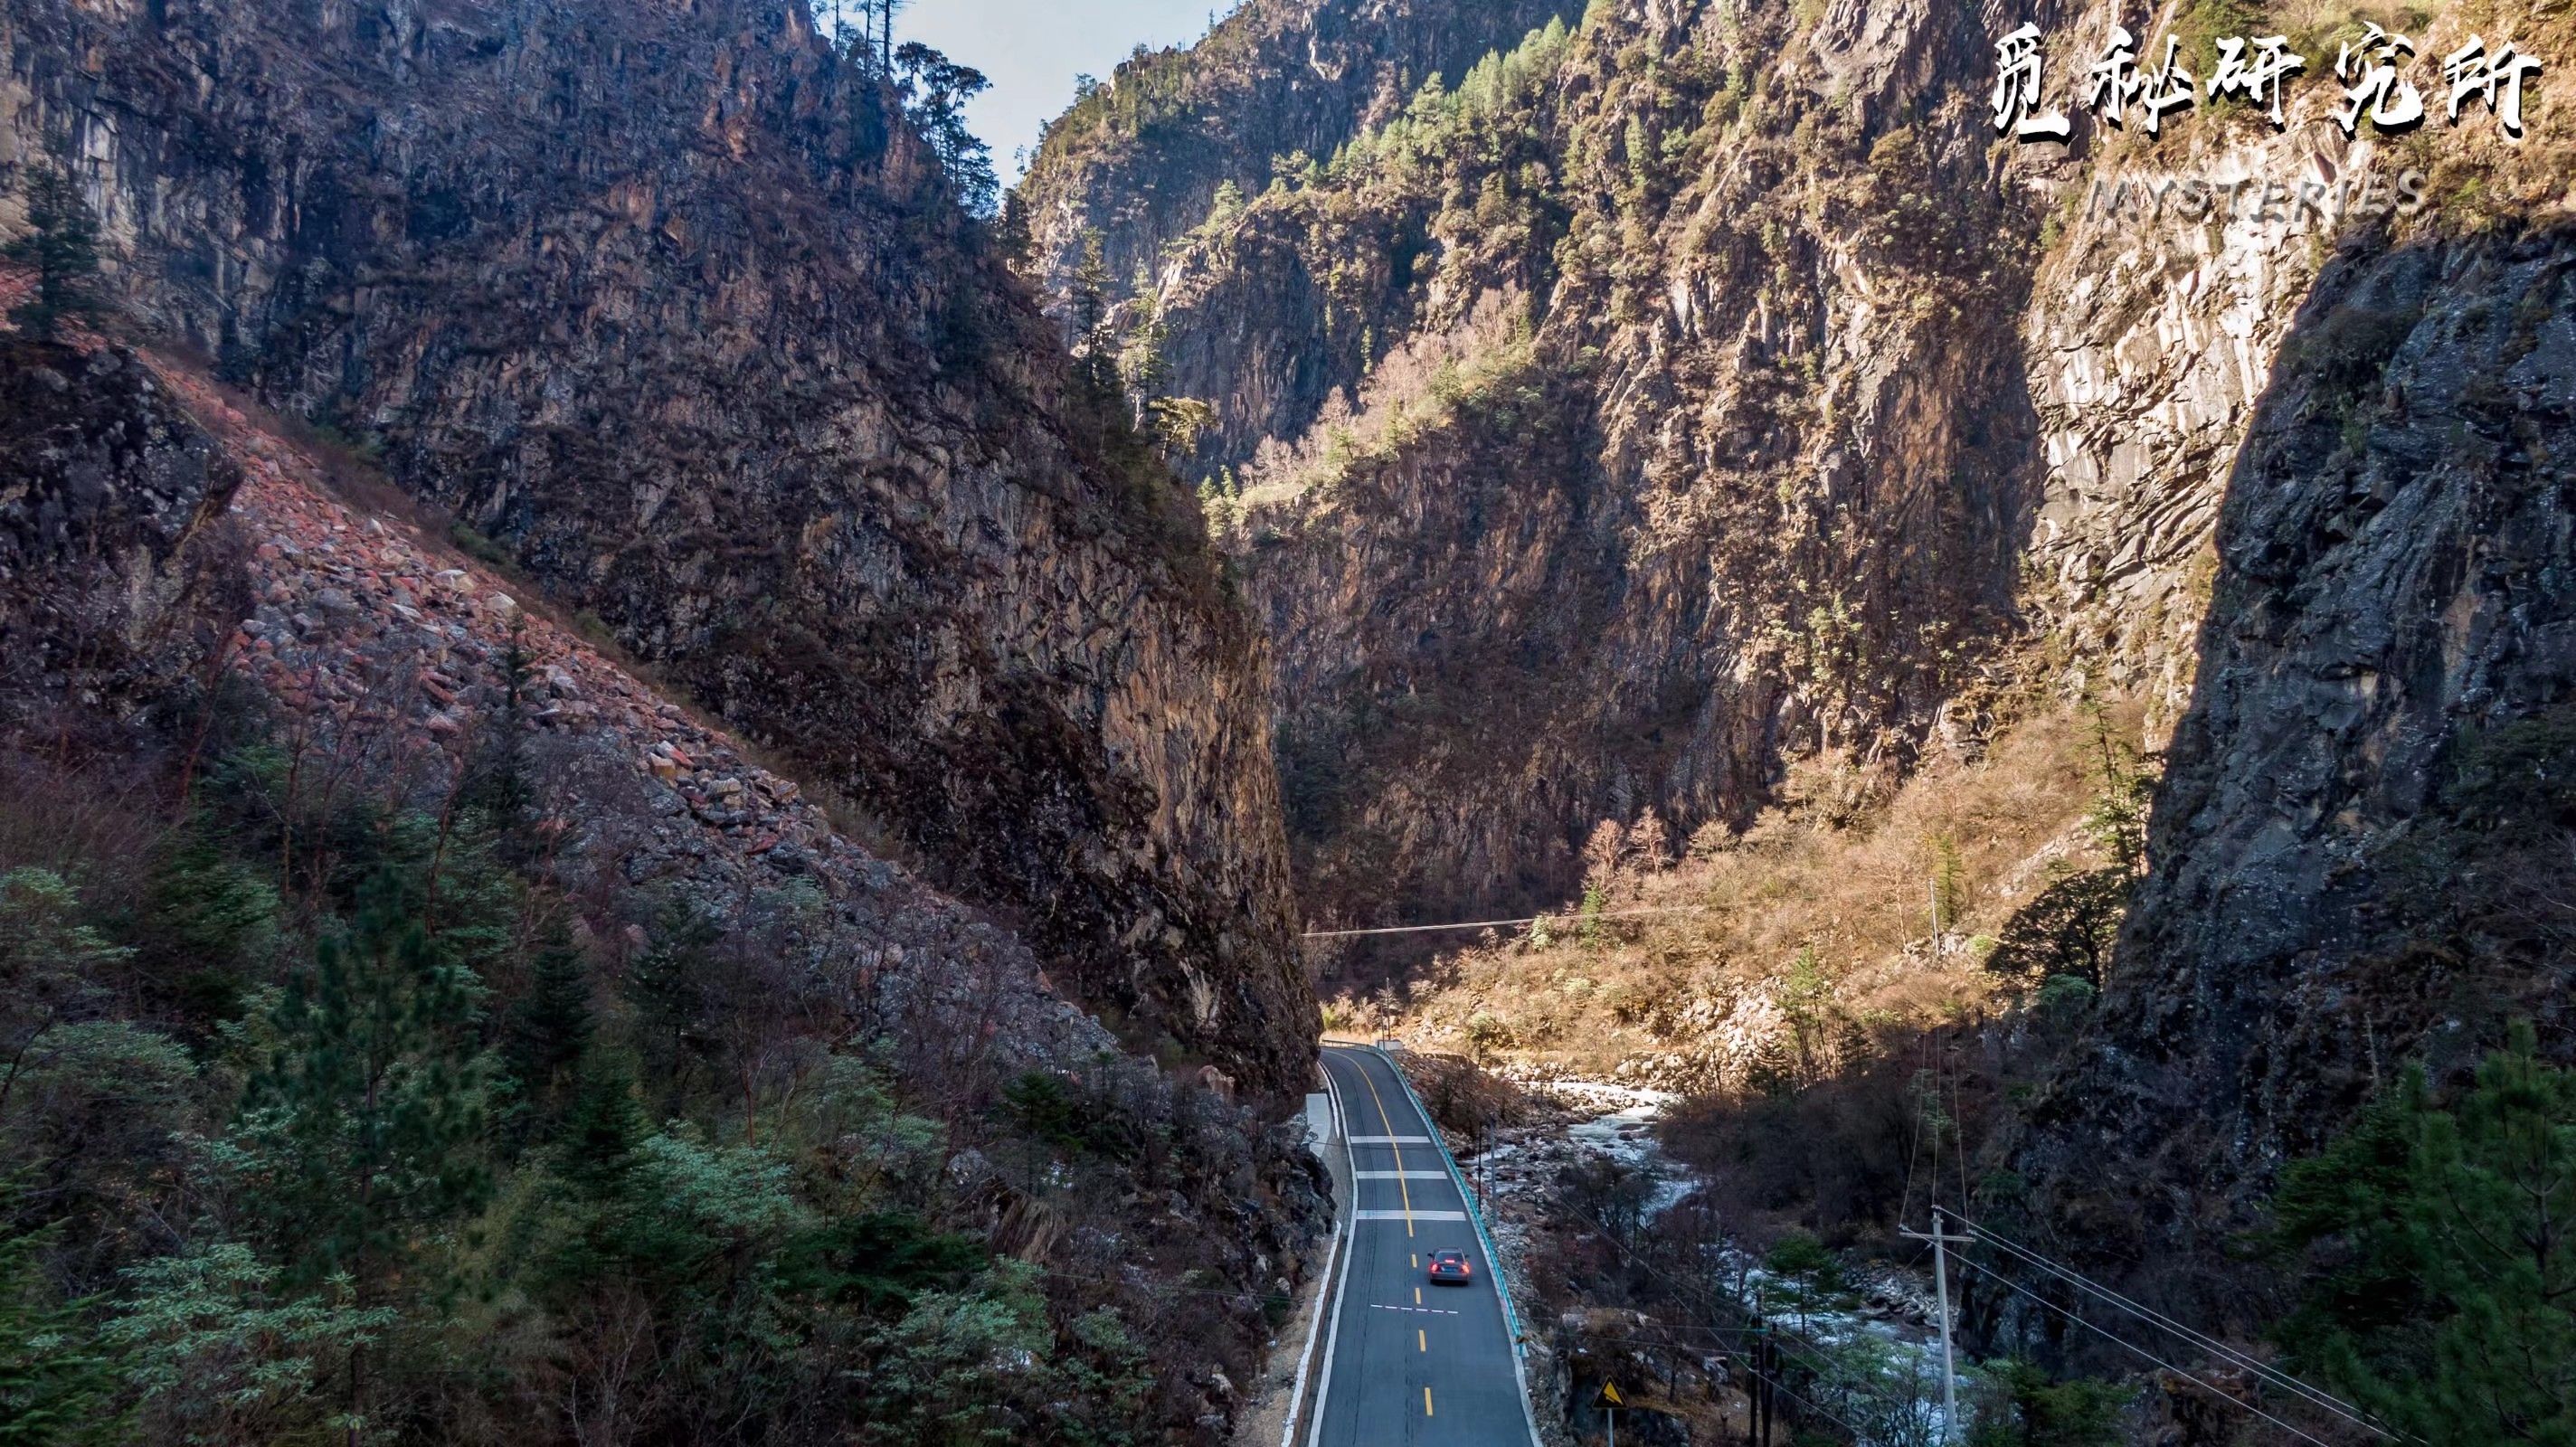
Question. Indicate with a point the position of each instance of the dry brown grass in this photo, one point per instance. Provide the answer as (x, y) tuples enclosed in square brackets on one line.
[(1417, 388), (1795, 903)]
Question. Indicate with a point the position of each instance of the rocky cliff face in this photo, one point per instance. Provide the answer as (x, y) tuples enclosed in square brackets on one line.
[(1137, 162), (111, 508), (385, 651), (1707, 390), (2359, 852), (2302, 494), (199, 600), (1611, 424), (672, 306)]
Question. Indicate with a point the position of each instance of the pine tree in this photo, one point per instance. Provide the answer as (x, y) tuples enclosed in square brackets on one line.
[(51, 966), (500, 784), (62, 245), (596, 1208), (1805, 998), (596, 1149), (935, 91), (56, 1387), (1089, 293), (209, 914), (2446, 1302), (885, 11), (363, 1130), (2118, 818), (1809, 1271), (667, 985), (1949, 883), (551, 1026)]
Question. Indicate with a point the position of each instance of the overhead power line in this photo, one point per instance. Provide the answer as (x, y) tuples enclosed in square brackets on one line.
[(2315, 1396), (2211, 1388), (1790, 1345), (1576, 918)]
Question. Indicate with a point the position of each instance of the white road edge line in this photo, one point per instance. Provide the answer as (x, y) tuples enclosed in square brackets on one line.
[(1502, 1285), (1331, 1302)]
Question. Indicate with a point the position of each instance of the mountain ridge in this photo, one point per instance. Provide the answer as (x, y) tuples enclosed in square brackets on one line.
[(910, 548), (1696, 424)]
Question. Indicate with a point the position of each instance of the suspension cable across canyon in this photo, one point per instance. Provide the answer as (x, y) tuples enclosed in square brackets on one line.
[(1572, 917)]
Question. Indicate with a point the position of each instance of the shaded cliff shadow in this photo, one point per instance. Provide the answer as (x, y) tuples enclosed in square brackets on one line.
[(2393, 598)]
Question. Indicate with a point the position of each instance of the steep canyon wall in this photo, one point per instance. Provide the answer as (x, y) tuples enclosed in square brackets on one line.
[(1704, 390), (673, 305)]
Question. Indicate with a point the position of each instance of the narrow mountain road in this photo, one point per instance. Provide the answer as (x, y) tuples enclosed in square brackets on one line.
[(1409, 1362)]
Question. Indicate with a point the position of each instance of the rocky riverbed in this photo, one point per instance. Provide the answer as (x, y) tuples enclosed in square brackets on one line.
[(1583, 1165)]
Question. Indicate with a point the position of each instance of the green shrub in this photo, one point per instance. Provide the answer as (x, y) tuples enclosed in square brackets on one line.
[(2024, 1406), (2432, 1244)]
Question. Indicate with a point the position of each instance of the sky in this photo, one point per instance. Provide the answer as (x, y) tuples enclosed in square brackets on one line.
[(1033, 49)]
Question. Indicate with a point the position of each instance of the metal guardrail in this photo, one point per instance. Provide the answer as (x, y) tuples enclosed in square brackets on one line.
[(1493, 1253)]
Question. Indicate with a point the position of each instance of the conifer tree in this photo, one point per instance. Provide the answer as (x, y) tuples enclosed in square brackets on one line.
[(362, 1131), (667, 985), (551, 1026), (500, 783), (50, 966), (883, 13), (935, 91), (1089, 299), (2446, 1299), (596, 1150), (56, 1386), (2118, 819), (594, 1157), (61, 244)]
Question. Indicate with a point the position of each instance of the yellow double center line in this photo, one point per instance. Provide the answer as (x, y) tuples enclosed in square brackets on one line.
[(1422, 1341), (1388, 1125)]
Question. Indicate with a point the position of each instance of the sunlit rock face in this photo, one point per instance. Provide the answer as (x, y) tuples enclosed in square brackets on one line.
[(1137, 162), (1708, 391), (660, 299)]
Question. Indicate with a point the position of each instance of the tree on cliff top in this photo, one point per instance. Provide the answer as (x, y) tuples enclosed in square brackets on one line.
[(61, 244), (935, 92)]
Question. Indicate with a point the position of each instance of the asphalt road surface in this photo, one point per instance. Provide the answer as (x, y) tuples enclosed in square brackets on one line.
[(1410, 1362)]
